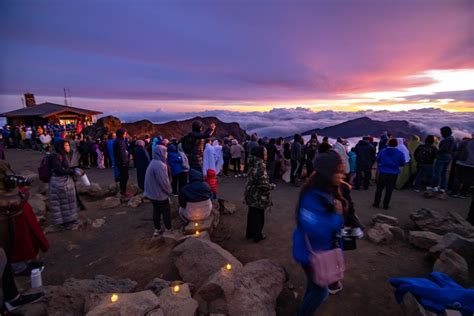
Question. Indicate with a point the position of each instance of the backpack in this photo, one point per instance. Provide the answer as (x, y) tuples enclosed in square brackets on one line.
[(424, 155), (44, 171), (188, 143)]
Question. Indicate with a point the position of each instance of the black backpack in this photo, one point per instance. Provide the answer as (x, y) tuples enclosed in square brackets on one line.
[(424, 154), (188, 143)]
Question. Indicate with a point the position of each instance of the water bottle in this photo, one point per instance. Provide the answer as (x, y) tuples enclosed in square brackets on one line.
[(36, 280)]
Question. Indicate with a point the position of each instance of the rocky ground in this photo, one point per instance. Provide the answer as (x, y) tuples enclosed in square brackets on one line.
[(116, 242)]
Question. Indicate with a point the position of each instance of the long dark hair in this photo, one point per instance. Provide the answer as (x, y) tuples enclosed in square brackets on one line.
[(323, 183)]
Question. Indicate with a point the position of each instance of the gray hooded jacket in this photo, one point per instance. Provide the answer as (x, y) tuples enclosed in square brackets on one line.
[(157, 182)]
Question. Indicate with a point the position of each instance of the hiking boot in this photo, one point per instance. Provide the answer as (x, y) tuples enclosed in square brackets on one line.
[(335, 287), (23, 299)]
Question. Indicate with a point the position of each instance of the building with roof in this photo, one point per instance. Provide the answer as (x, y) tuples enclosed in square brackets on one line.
[(49, 113)]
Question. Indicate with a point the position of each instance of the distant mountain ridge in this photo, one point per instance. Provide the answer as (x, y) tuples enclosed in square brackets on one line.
[(364, 126), (172, 129)]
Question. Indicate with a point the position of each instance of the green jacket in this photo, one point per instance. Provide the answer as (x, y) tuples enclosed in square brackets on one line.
[(258, 187)]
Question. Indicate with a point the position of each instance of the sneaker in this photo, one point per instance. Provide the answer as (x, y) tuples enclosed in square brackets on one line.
[(417, 191), (442, 190), (356, 232), (334, 288), (435, 189), (157, 233), (23, 299), (375, 205), (429, 188)]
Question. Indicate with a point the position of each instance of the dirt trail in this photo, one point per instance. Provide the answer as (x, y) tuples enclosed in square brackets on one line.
[(121, 247)]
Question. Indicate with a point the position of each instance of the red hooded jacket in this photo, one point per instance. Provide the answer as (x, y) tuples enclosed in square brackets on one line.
[(211, 179)]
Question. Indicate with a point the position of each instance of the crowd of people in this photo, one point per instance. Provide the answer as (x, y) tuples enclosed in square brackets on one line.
[(190, 168)]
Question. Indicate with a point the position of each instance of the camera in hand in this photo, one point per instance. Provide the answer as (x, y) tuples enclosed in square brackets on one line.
[(12, 181)]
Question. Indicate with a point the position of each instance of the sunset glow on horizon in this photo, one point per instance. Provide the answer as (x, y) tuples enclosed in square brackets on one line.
[(239, 56)]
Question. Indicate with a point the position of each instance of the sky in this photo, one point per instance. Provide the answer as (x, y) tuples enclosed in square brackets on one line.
[(245, 56)]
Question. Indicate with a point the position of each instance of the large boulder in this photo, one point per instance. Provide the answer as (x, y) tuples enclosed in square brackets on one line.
[(202, 225), (454, 265), (385, 219), (177, 303), (102, 284), (435, 222), (139, 304), (157, 284), (423, 240), (226, 207), (135, 201), (461, 245), (93, 190), (102, 127), (111, 202), (197, 259), (252, 290), (69, 298), (380, 234)]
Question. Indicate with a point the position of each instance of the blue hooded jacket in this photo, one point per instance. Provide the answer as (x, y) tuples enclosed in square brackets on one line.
[(390, 160), (175, 161), (317, 222)]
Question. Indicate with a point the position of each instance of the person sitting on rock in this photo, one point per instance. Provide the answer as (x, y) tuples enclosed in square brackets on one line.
[(10, 208), (195, 199), (158, 189)]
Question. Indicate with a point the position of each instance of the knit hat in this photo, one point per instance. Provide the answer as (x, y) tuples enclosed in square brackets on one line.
[(327, 163)]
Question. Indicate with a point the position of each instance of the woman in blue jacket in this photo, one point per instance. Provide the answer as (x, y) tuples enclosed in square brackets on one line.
[(389, 161), (179, 177), (319, 219)]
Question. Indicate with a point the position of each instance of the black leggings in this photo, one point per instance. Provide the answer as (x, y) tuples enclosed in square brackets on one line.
[(236, 164), (179, 181), (161, 207), (385, 181), (123, 178), (255, 223)]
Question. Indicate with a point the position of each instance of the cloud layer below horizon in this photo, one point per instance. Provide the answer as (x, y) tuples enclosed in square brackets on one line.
[(286, 122), (241, 55)]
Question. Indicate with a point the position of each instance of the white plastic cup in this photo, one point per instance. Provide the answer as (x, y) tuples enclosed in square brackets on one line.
[(85, 180), (36, 280)]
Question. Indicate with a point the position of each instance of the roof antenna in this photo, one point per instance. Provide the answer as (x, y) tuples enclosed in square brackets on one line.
[(70, 98), (65, 97)]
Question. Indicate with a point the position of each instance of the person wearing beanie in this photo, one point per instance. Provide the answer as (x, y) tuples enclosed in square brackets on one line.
[(318, 220), (365, 159), (142, 160), (389, 161), (121, 161)]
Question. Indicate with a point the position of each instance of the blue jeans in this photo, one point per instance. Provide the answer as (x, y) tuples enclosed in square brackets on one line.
[(314, 296), (423, 170), (440, 174)]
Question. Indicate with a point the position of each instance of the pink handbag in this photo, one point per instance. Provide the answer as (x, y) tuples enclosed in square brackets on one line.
[(327, 267)]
